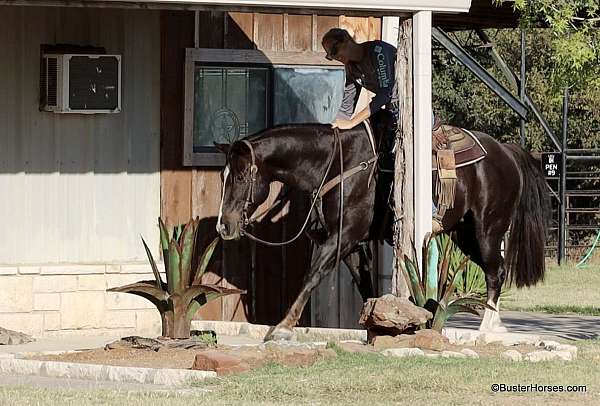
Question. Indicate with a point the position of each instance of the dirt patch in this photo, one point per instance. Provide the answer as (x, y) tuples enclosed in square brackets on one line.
[(129, 357), (230, 360), (222, 359)]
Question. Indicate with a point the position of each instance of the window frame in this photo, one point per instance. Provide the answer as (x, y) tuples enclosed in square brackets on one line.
[(242, 57)]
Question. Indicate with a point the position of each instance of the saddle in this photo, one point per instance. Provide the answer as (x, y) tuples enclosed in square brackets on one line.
[(451, 148)]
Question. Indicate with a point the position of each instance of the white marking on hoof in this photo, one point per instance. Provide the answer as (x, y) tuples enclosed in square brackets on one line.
[(491, 322)]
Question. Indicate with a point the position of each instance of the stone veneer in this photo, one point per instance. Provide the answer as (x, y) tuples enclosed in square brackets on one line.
[(72, 299)]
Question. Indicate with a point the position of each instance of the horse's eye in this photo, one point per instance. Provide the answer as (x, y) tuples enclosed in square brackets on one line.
[(239, 177)]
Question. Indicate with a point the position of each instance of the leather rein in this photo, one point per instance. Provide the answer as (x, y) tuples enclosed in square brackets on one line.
[(317, 193)]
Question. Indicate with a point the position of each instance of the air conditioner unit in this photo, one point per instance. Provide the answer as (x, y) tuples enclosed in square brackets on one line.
[(81, 83)]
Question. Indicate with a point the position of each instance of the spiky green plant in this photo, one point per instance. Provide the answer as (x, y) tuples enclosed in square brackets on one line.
[(181, 296), (472, 280), (433, 285)]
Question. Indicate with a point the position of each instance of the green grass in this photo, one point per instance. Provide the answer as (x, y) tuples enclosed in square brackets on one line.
[(361, 379), (565, 290)]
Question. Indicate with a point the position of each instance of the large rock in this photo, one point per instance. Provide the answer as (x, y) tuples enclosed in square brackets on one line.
[(356, 348), (428, 339), (399, 341), (392, 315), (234, 361), (222, 364), (9, 337)]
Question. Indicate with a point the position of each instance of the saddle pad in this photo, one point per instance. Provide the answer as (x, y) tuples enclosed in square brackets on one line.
[(467, 150)]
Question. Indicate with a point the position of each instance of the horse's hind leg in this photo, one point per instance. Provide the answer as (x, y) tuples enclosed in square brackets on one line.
[(484, 250)]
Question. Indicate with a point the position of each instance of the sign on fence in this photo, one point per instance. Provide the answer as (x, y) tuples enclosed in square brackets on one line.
[(551, 164)]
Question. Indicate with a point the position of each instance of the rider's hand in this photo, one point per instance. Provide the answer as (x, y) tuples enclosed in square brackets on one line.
[(342, 124)]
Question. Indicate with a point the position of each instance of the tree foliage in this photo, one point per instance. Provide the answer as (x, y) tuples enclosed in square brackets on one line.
[(460, 98), (575, 37)]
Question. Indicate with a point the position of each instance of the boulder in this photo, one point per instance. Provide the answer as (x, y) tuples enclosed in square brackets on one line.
[(222, 364), (391, 315), (356, 347), (10, 337), (428, 339), (399, 341)]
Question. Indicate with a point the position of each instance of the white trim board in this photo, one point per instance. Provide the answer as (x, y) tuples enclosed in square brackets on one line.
[(390, 6)]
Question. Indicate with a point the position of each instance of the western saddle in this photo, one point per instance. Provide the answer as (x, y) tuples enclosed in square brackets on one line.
[(451, 148)]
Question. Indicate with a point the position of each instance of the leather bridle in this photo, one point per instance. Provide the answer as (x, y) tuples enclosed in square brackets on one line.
[(317, 193), (246, 220), (250, 195)]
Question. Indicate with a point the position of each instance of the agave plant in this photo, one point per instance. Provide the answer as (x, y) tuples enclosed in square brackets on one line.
[(433, 285), (179, 298)]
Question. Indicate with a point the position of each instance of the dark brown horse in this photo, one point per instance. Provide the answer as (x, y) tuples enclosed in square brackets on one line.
[(505, 189)]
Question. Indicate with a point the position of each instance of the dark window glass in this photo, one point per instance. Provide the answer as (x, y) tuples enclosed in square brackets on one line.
[(230, 103)]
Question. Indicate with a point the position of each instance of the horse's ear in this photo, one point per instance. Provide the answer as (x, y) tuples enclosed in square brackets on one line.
[(224, 148)]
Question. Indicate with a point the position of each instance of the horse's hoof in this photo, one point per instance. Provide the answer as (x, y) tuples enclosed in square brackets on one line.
[(279, 333)]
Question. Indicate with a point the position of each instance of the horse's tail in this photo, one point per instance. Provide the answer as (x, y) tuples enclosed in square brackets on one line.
[(524, 257)]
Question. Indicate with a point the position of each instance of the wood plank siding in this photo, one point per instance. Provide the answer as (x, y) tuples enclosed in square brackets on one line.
[(272, 276)]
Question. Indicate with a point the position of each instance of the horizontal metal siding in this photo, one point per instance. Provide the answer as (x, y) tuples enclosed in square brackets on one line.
[(78, 188)]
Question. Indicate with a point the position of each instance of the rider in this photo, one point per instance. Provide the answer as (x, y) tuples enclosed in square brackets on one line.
[(369, 66)]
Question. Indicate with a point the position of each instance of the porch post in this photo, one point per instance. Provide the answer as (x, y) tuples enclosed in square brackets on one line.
[(422, 126)]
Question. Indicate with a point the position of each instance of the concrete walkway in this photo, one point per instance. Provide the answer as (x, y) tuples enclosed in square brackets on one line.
[(570, 327), (59, 344)]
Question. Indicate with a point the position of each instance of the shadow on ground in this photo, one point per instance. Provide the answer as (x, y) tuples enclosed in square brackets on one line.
[(570, 327)]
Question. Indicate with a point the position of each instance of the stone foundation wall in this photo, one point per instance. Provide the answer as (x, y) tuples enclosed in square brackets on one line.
[(72, 299)]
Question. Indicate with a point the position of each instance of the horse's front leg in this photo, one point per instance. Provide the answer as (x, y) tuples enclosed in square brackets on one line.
[(321, 264)]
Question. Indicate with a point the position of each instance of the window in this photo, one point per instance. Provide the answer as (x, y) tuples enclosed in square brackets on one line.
[(231, 94)]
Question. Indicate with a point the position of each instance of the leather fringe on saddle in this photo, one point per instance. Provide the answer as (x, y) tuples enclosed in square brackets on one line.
[(445, 187), (446, 181)]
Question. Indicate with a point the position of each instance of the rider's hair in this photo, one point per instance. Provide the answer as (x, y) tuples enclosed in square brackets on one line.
[(337, 35)]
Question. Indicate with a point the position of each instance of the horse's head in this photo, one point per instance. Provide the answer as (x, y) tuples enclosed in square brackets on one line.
[(244, 188)]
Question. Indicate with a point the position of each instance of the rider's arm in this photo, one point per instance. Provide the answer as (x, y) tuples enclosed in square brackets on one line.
[(351, 93)]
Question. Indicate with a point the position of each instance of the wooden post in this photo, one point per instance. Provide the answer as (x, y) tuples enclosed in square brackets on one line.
[(404, 164)]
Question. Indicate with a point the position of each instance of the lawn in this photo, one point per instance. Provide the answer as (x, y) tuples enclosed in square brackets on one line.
[(564, 290), (362, 379)]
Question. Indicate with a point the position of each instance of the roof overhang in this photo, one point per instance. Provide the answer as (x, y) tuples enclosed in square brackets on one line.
[(394, 6), (387, 7)]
